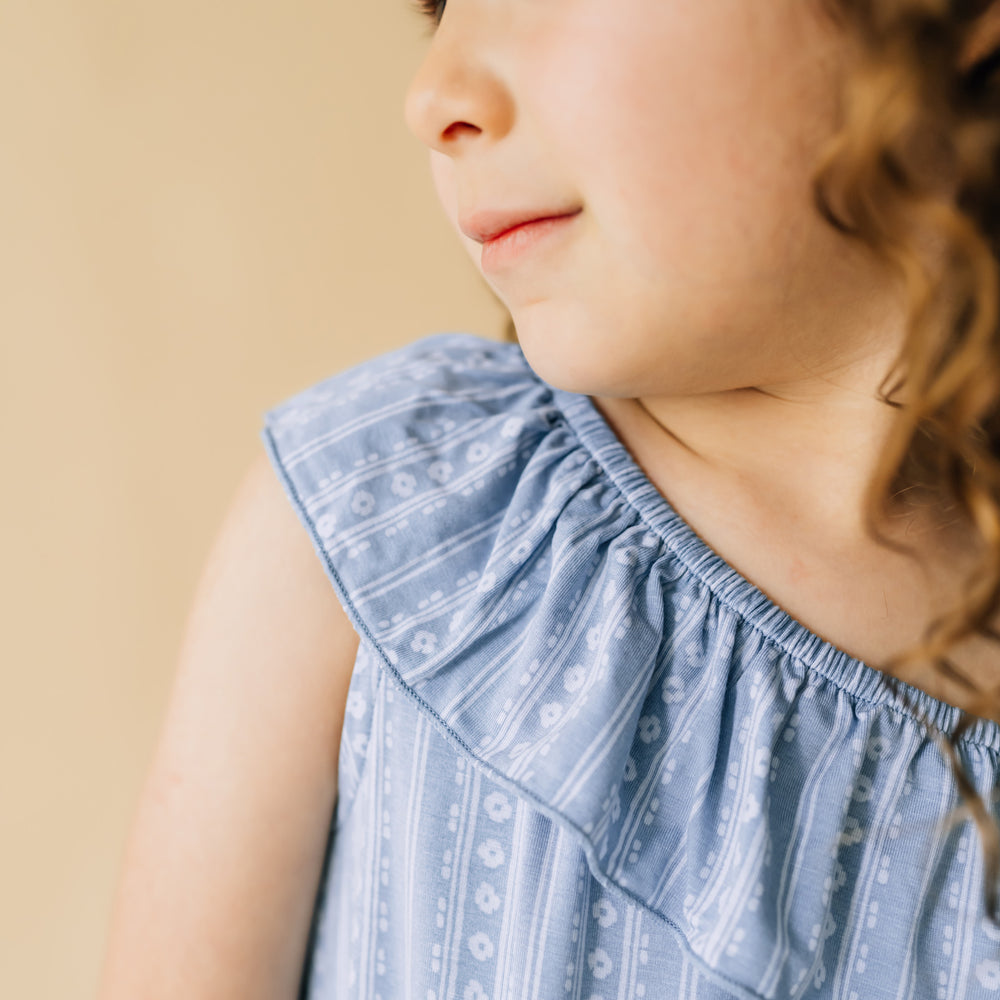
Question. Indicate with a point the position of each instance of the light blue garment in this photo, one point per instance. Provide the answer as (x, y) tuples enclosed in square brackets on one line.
[(582, 756)]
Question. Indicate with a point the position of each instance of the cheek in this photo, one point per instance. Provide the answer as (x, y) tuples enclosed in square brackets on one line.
[(654, 136), (693, 164)]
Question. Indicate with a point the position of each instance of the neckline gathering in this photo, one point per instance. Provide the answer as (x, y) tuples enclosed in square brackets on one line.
[(734, 591)]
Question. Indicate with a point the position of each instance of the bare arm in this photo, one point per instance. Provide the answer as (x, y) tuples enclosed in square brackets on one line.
[(227, 846)]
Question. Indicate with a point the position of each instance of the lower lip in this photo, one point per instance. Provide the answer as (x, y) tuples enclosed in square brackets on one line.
[(508, 247)]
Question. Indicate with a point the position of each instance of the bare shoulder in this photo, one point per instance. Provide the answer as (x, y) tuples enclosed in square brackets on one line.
[(227, 846), (265, 618), (263, 560)]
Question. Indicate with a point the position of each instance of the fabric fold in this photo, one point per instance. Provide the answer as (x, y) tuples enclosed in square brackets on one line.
[(753, 787)]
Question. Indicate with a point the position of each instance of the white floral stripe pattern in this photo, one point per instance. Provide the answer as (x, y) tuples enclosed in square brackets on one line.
[(582, 756)]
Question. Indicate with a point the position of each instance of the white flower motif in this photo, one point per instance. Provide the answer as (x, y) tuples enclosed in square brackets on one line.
[(988, 973), (574, 678), (550, 713), (491, 853), (481, 946), (673, 690), (600, 963), (593, 638), (356, 705), (363, 503), (615, 804), (851, 832), (814, 937), (403, 484), (424, 642), (440, 472), (626, 557), (839, 876), (487, 899), (604, 913), (360, 744), (326, 525), (649, 728), (497, 807), (862, 788), (511, 427), (474, 991), (479, 451)]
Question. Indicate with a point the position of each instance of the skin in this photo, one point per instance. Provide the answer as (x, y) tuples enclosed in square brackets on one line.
[(733, 340), (698, 250)]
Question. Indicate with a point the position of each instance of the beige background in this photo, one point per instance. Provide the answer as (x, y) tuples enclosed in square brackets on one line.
[(204, 207)]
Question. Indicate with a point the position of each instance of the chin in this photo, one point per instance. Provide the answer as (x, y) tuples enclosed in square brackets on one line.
[(560, 359), (586, 376), (578, 357), (628, 357)]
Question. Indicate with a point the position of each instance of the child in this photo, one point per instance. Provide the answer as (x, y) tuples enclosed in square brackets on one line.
[(603, 623)]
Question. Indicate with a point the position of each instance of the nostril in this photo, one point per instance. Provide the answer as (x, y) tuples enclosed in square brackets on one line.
[(457, 130)]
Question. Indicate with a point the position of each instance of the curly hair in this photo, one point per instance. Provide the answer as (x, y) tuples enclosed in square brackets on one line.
[(917, 154)]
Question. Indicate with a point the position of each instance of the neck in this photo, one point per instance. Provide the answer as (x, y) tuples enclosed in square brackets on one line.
[(776, 483), (795, 459), (805, 458)]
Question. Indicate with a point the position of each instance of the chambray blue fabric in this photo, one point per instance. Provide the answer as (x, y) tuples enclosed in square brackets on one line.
[(582, 756)]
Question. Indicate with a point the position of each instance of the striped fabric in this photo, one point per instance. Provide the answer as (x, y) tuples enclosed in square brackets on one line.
[(582, 756)]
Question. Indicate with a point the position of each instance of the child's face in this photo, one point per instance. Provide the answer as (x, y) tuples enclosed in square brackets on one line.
[(681, 133)]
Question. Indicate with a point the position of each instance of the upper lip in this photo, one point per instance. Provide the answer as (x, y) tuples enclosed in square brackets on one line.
[(485, 226)]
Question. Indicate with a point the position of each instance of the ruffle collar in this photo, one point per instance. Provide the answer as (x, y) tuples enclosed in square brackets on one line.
[(539, 600)]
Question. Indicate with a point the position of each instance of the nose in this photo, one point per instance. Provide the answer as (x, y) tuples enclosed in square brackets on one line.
[(457, 96)]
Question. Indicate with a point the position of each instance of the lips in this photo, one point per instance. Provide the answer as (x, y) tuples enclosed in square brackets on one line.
[(486, 226)]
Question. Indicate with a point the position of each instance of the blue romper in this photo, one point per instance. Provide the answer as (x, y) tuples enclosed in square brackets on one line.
[(582, 756)]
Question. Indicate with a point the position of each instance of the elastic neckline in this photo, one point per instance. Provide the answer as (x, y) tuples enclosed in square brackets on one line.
[(855, 677)]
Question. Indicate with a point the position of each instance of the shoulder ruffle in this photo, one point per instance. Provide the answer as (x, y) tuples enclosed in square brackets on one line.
[(721, 765)]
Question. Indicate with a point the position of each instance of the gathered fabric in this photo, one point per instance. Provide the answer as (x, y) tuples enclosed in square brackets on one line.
[(582, 756)]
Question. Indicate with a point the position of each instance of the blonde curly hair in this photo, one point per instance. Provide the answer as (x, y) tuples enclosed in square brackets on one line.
[(918, 154)]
